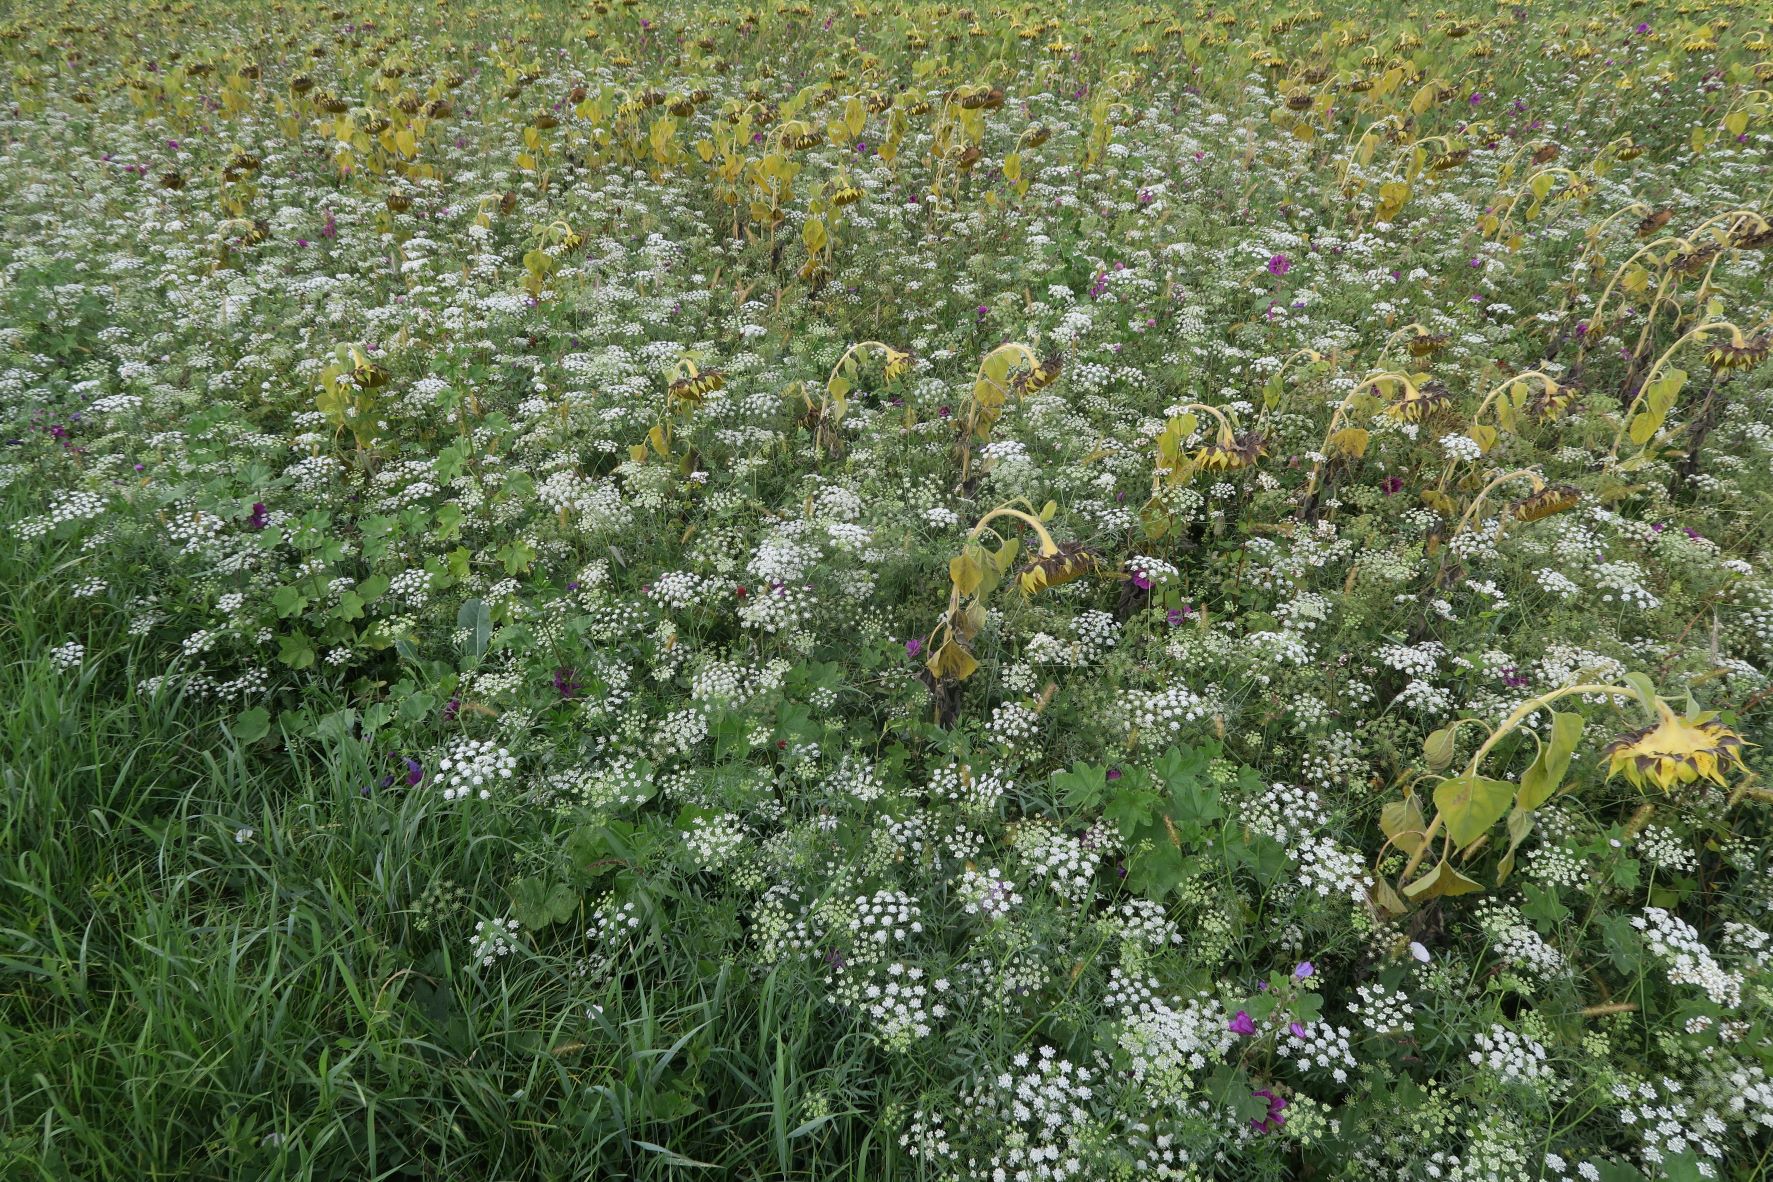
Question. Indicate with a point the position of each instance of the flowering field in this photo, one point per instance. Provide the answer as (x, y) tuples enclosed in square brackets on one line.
[(656, 589)]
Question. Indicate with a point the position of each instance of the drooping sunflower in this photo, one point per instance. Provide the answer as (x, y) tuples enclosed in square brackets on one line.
[(1228, 453), (1068, 561), (1419, 402), (694, 389), (1426, 344), (1739, 352), (1553, 498), (1551, 399), (1040, 377), (1675, 750)]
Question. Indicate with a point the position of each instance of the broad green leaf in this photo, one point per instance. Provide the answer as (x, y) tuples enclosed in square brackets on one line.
[(1520, 823), (252, 725), (1542, 779), (1469, 805), (1438, 748), (1442, 880), (1402, 822), (475, 618)]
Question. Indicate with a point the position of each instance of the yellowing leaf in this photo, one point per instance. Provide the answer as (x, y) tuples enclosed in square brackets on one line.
[(965, 573), (1469, 805), (1644, 427), (1438, 749), (812, 232), (1402, 822), (953, 661), (1012, 166), (1351, 441), (1392, 196), (1442, 880)]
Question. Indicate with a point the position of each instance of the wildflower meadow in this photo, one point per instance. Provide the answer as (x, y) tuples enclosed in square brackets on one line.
[(882, 590)]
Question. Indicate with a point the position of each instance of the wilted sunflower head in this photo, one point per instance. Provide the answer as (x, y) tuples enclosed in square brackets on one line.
[(1694, 260), (1654, 222), (1551, 400), (694, 389), (1068, 561), (1675, 750), (1553, 498), (1739, 352), (1759, 239), (1228, 453), (1427, 344), (1419, 402), (1041, 376)]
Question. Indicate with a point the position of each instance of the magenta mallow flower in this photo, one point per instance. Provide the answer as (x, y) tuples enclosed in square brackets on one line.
[(1242, 1024), (1274, 1119), (1279, 264), (259, 518), (1391, 485), (1303, 970), (913, 647)]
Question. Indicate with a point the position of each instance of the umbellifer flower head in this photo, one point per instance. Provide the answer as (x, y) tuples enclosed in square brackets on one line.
[(1675, 750)]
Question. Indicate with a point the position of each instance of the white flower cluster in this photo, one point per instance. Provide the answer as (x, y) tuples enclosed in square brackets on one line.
[(714, 840), (973, 792), (1382, 1010), (67, 656), (1036, 1118), (681, 589), (1319, 1046), (1668, 1124), (64, 506), (899, 1006), (1662, 847), (1142, 921), (1677, 944), (1164, 713), (1460, 447), (492, 939), (1328, 869), (988, 893), (1518, 944), (1514, 1058), (1167, 1048), (1068, 868), (886, 917), (471, 768), (854, 778), (1155, 571), (1013, 723)]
